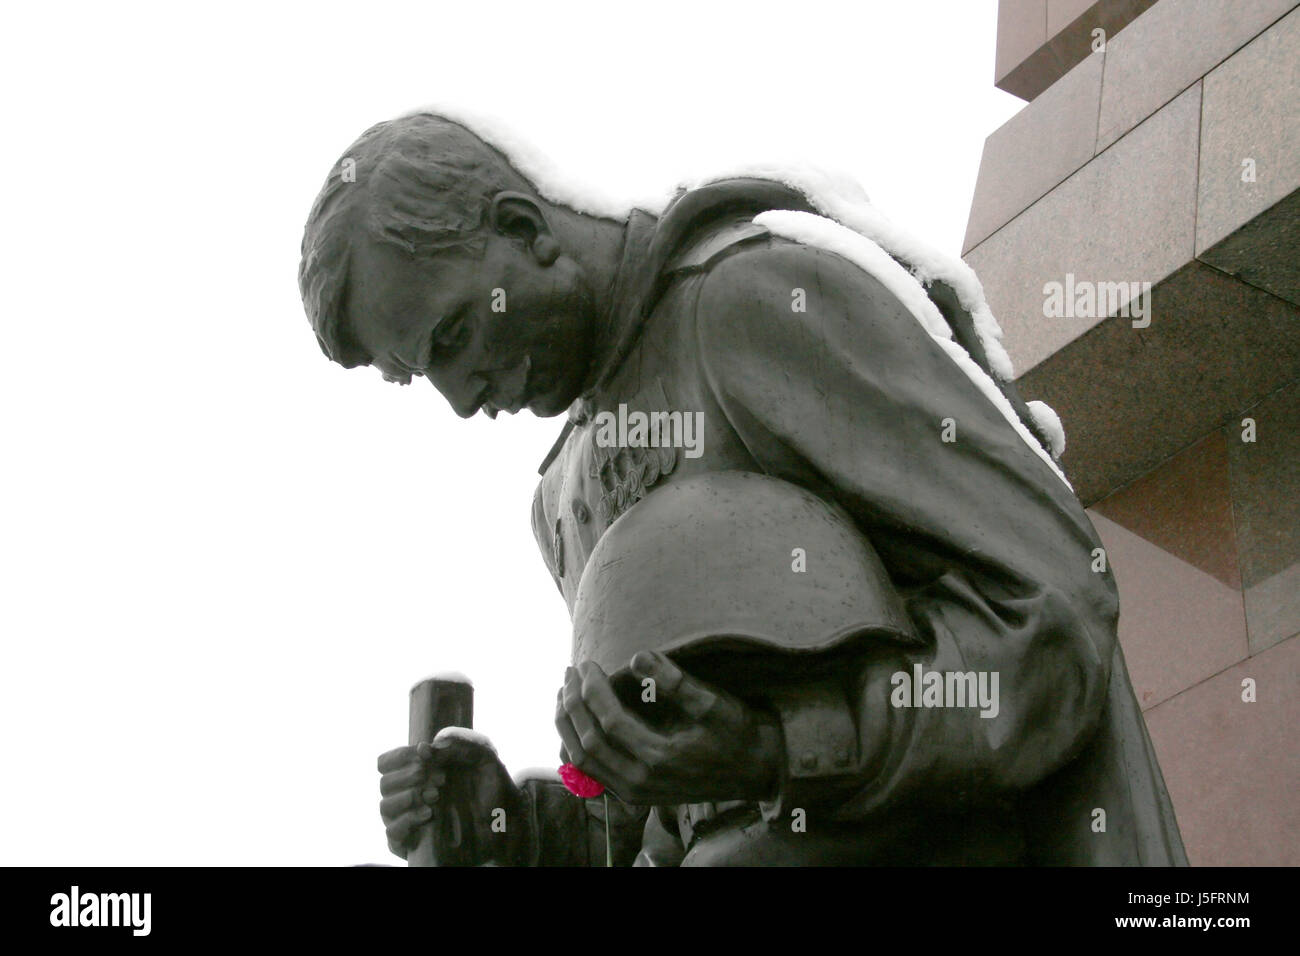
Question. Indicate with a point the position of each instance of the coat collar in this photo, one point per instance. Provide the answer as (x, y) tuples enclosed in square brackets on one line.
[(642, 283), (650, 244)]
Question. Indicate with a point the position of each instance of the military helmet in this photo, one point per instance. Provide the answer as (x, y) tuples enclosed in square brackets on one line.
[(741, 578)]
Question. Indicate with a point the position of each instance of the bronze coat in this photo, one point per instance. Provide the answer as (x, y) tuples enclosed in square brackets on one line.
[(990, 552)]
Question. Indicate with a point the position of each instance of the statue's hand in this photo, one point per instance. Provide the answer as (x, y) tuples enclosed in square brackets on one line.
[(452, 769), (726, 750)]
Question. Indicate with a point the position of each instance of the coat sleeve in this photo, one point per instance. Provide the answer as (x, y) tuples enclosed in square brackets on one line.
[(830, 383)]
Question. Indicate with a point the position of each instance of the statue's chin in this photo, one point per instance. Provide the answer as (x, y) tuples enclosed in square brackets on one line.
[(547, 406)]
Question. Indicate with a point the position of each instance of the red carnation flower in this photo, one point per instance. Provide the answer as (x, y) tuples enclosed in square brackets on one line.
[(579, 784)]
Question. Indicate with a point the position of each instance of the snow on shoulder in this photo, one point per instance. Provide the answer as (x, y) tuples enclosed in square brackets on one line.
[(824, 233), (840, 197)]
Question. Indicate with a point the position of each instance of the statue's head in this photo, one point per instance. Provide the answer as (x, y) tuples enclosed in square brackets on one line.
[(427, 254)]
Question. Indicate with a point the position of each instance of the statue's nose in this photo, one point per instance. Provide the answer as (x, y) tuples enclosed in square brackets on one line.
[(465, 397)]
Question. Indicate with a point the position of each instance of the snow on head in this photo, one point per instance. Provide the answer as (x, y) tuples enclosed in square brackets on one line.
[(551, 181)]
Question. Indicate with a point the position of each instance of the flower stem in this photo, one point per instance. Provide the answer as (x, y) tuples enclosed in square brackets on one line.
[(609, 852)]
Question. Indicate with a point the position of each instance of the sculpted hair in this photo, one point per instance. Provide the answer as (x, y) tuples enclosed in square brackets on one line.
[(421, 183)]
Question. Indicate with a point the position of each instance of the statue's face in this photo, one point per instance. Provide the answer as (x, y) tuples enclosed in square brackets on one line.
[(500, 333)]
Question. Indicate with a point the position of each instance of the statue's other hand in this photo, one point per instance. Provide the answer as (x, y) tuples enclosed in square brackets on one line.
[(415, 780), (409, 786), (725, 750)]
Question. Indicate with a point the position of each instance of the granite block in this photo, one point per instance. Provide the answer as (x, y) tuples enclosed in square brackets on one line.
[(1265, 251), (1167, 49), (1065, 39), (1265, 482), (1127, 216), (1061, 13), (1184, 508), (1035, 150), (1022, 29), (1251, 111), (1233, 768), (1177, 624), (1131, 398)]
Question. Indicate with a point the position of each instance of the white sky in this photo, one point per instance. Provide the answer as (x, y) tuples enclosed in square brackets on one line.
[(224, 560)]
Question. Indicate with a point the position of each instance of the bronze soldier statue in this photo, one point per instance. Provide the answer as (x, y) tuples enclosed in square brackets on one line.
[(855, 617)]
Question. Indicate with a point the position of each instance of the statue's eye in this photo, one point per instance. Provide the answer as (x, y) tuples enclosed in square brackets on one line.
[(451, 334)]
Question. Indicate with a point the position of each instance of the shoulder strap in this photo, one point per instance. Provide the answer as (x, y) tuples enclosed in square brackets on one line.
[(713, 243)]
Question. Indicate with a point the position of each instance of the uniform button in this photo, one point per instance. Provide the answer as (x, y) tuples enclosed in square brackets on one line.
[(808, 761), (580, 511)]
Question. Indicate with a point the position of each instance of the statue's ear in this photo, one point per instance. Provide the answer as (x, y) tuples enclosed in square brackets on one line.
[(520, 217)]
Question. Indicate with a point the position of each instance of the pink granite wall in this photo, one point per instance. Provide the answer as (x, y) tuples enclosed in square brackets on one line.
[(1206, 550)]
